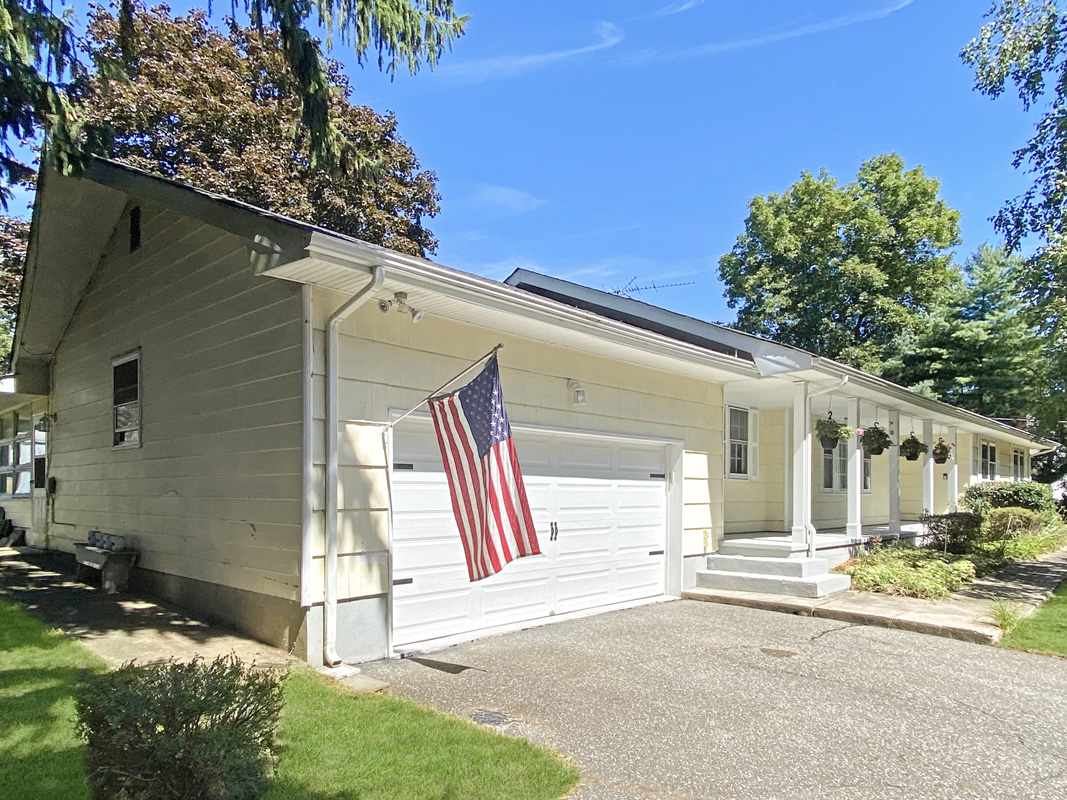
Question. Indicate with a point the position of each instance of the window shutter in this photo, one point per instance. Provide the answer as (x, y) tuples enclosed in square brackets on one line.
[(753, 444), (976, 454)]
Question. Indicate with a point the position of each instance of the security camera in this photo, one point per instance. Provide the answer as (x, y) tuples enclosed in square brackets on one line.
[(416, 316), (385, 305)]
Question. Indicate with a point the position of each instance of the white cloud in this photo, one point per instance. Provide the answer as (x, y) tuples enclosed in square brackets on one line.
[(745, 43), (483, 69), (677, 8), (505, 200)]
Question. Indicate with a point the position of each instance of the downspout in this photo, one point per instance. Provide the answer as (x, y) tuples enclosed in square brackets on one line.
[(329, 615), (807, 430)]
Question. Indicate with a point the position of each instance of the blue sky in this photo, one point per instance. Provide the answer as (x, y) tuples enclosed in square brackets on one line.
[(600, 141), (603, 141)]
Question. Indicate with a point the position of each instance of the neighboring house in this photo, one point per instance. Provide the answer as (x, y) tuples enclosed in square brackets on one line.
[(174, 382)]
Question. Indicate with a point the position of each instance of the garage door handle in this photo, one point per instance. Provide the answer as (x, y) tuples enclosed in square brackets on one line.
[(655, 552), (403, 581), (553, 531)]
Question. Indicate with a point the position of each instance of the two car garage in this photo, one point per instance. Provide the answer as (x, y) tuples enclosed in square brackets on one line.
[(600, 507)]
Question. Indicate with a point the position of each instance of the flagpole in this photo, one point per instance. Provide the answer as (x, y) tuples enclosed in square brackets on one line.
[(443, 386)]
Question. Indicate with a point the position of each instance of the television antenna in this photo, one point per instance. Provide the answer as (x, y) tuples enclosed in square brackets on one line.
[(631, 287)]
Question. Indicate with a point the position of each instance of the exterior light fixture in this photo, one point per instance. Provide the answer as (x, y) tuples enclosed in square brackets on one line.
[(577, 392)]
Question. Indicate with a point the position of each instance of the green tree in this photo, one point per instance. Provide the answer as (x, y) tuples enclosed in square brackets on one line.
[(14, 236), (984, 354), (844, 271), (39, 57), (1025, 44), (216, 111)]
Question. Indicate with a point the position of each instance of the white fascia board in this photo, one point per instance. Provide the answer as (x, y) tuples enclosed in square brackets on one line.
[(938, 409), (421, 274)]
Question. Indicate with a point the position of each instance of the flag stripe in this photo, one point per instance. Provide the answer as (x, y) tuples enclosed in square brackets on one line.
[(458, 509), (481, 466)]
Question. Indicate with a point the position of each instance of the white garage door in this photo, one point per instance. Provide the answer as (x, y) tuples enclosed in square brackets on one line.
[(600, 510)]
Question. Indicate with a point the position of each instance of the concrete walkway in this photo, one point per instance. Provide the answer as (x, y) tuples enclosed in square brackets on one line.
[(124, 627), (964, 615)]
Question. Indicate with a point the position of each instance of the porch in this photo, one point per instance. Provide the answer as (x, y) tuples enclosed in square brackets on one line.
[(772, 562)]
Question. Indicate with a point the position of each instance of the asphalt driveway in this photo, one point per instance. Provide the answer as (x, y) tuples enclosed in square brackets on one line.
[(687, 700)]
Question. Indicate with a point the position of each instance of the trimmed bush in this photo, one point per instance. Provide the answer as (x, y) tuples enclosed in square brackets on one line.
[(1001, 524), (957, 533), (174, 731), (1009, 494)]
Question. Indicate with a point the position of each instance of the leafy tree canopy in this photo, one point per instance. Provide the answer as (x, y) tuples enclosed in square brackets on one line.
[(14, 236), (39, 57), (217, 111), (1025, 45), (844, 271)]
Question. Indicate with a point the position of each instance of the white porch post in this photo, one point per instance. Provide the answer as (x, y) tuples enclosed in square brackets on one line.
[(928, 467), (893, 454), (801, 463), (953, 473), (854, 525)]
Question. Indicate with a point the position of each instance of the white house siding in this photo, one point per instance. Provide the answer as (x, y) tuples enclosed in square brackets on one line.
[(387, 363), (212, 497), (758, 503)]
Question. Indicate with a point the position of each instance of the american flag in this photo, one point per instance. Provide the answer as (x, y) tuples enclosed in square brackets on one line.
[(488, 497)]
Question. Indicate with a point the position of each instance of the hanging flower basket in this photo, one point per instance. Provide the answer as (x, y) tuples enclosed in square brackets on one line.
[(942, 452), (875, 440), (830, 431), (911, 448)]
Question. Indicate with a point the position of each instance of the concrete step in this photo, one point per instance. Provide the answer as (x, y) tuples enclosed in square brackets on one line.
[(810, 586), (790, 567), (762, 548)]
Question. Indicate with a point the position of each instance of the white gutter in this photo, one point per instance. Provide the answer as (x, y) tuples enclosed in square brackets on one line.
[(808, 527), (329, 612)]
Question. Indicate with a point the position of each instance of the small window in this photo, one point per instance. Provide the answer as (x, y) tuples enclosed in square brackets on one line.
[(835, 469), (135, 228), (16, 454), (741, 442), (988, 463), (1018, 465), (126, 401)]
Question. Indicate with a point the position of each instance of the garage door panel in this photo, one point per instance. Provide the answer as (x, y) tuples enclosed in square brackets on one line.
[(514, 600), (608, 514), (636, 581), (535, 455), (589, 455), (641, 460)]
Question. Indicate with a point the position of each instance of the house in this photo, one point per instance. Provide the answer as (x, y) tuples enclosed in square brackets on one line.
[(214, 382)]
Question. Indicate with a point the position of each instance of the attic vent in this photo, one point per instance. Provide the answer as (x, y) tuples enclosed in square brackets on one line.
[(135, 228)]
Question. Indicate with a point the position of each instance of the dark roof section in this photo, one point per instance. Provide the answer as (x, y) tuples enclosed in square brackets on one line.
[(717, 338)]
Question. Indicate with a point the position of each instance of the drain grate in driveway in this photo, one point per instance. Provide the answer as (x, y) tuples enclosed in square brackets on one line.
[(494, 719)]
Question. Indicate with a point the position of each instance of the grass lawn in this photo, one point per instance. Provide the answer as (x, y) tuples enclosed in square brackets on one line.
[(1045, 631), (334, 745), (39, 754)]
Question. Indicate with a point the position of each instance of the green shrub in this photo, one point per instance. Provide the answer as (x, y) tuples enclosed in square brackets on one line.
[(957, 532), (914, 572), (1001, 524), (981, 497), (180, 731)]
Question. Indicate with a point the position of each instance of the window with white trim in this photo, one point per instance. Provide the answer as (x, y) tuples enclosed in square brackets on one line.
[(835, 469), (16, 454), (987, 463), (1018, 465), (742, 442), (126, 400)]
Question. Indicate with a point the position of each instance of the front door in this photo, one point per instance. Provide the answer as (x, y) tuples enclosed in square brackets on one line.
[(39, 511)]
